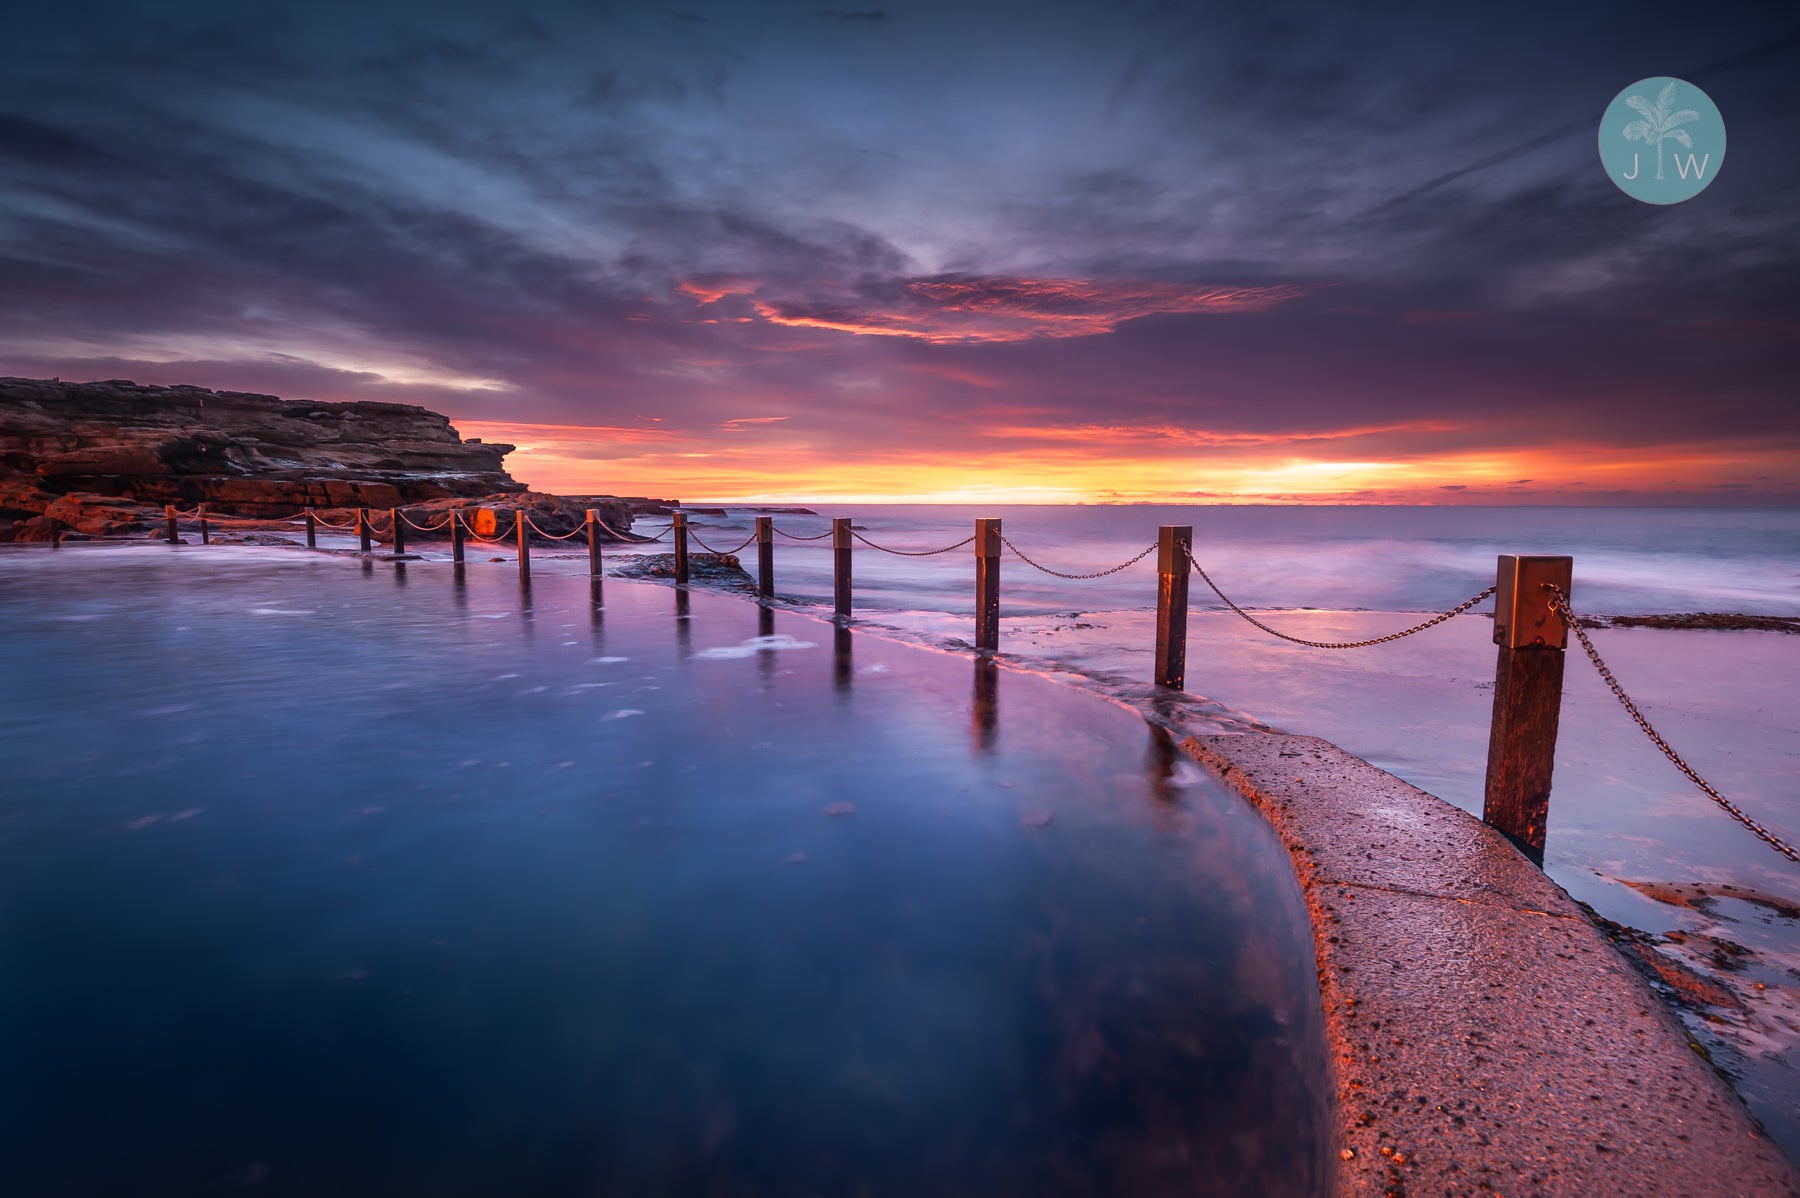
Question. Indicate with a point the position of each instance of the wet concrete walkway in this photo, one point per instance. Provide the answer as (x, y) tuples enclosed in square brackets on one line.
[(1484, 1038)]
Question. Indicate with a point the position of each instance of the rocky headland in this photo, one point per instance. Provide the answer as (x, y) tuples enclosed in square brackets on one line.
[(102, 459)]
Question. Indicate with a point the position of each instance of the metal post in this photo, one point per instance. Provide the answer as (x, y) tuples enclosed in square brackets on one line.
[(55, 532), (681, 554), (1528, 676), (593, 535), (524, 528), (205, 533), (456, 538), (312, 530), (765, 556), (362, 528), (399, 531), (987, 584), (840, 546), (174, 532), (1174, 547)]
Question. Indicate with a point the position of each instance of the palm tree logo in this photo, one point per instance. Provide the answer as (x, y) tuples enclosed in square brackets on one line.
[(1659, 123)]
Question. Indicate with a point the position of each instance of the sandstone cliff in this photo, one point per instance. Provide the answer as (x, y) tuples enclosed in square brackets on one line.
[(103, 458)]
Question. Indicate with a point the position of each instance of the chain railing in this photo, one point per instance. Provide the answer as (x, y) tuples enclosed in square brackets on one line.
[(794, 536), (695, 537), (1077, 577), (1458, 610), (499, 538), (347, 526), (578, 530), (1520, 754), (969, 540), (1560, 601)]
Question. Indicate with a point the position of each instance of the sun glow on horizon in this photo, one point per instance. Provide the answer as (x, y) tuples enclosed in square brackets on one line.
[(758, 460)]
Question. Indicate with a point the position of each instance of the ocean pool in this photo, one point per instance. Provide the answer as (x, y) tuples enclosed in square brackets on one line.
[(328, 875)]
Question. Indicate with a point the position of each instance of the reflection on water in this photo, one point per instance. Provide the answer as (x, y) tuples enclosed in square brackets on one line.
[(306, 887), (984, 707), (843, 664)]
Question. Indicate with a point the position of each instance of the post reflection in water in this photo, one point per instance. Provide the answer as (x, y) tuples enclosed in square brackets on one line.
[(765, 628), (984, 720), (844, 667), (400, 574), (596, 597), (684, 632), (1162, 756)]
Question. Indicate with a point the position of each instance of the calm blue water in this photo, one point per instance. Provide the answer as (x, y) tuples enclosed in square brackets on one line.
[(327, 877)]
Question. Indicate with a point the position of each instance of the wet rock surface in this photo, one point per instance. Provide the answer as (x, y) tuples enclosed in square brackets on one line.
[(719, 570), (1710, 621), (1485, 1037)]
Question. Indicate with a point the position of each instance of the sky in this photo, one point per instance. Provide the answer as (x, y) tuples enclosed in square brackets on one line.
[(1035, 252)]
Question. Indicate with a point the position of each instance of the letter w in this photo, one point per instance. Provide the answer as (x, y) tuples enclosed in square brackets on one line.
[(1682, 168)]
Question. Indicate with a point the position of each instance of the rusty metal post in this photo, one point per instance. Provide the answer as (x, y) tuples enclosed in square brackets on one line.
[(765, 556), (594, 563), (1174, 548), (205, 533), (174, 533), (399, 531), (312, 530), (840, 573), (362, 528), (520, 522), (681, 553), (1528, 675), (55, 532), (456, 538), (987, 584)]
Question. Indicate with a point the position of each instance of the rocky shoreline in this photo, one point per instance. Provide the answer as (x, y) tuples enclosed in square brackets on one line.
[(103, 459)]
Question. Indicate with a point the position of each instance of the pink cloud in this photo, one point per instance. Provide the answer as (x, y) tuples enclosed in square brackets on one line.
[(974, 309)]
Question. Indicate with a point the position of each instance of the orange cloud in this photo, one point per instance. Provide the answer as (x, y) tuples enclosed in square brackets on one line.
[(964, 309), (710, 289)]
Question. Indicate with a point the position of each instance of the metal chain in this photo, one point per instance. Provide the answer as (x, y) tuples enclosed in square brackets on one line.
[(912, 552), (630, 538), (793, 537), (551, 536), (328, 524), (426, 528), (1458, 610), (720, 552), (1096, 574), (1560, 602), (497, 538)]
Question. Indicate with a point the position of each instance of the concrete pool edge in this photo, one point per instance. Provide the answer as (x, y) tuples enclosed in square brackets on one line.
[(1482, 1035)]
